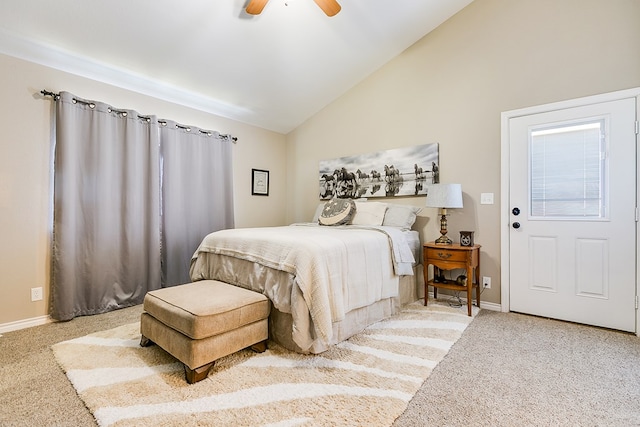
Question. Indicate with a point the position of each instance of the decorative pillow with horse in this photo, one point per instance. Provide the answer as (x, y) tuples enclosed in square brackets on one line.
[(337, 212)]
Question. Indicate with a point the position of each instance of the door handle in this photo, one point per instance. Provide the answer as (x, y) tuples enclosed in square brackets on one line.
[(516, 225), (515, 211)]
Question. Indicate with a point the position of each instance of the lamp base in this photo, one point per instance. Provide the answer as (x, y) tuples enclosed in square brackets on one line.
[(443, 240)]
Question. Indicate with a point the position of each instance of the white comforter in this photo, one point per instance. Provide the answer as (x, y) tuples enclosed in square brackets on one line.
[(336, 269)]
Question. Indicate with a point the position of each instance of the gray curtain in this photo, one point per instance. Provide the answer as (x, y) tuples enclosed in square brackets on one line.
[(106, 243), (133, 198), (197, 194)]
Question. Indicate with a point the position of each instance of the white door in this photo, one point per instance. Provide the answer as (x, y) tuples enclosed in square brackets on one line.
[(572, 199)]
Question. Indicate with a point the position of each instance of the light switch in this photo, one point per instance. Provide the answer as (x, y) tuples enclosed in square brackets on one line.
[(486, 198)]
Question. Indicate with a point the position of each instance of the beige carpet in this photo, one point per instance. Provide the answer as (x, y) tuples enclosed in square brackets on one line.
[(367, 380)]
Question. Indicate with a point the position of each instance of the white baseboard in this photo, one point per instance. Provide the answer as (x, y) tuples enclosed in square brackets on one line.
[(26, 323), (490, 306)]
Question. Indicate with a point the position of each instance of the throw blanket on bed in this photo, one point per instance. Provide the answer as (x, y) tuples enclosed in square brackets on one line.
[(336, 269)]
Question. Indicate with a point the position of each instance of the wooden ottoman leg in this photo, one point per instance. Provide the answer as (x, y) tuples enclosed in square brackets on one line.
[(260, 347), (197, 374)]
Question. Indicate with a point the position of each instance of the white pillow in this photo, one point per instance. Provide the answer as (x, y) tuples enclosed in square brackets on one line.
[(369, 213), (401, 216)]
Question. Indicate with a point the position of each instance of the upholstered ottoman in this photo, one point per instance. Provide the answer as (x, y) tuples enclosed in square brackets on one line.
[(200, 322)]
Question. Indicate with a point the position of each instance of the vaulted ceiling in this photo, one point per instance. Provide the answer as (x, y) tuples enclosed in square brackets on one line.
[(273, 70)]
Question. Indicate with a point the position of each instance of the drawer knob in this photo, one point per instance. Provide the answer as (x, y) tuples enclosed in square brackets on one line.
[(444, 255)]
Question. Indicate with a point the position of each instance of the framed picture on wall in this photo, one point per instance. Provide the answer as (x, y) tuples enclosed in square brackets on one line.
[(259, 182), (398, 172)]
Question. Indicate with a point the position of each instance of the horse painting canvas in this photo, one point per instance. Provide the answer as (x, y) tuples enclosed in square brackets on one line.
[(389, 173)]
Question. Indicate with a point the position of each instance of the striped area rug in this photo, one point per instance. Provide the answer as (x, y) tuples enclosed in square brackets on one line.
[(365, 381)]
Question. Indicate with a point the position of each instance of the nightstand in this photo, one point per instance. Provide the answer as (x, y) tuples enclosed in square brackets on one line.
[(449, 257)]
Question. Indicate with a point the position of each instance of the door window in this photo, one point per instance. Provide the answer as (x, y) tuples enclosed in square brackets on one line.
[(568, 166)]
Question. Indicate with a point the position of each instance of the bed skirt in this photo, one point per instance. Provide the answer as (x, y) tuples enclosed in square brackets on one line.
[(355, 321)]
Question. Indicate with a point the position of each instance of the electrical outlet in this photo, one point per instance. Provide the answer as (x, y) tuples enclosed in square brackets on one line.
[(36, 294), (486, 282)]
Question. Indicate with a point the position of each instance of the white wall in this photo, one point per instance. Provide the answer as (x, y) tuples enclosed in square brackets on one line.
[(450, 88), (25, 155)]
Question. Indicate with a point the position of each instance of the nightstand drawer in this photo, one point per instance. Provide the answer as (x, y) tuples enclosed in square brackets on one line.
[(447, 255)]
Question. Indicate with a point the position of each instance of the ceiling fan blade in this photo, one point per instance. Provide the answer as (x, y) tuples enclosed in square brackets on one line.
[(255, 6), (330, 7)]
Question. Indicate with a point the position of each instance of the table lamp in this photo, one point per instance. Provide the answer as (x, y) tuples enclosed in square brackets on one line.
[(444, 196)]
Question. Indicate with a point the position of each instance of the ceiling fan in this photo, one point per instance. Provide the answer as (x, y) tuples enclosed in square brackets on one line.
[(330, 7)]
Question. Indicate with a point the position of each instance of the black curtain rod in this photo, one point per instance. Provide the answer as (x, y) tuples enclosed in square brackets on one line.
[(56, 96)]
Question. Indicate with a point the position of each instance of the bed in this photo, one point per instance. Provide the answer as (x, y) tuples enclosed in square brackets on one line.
[(325, 283)]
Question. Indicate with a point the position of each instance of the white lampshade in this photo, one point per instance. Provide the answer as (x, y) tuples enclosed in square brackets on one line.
[(444, 196)]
